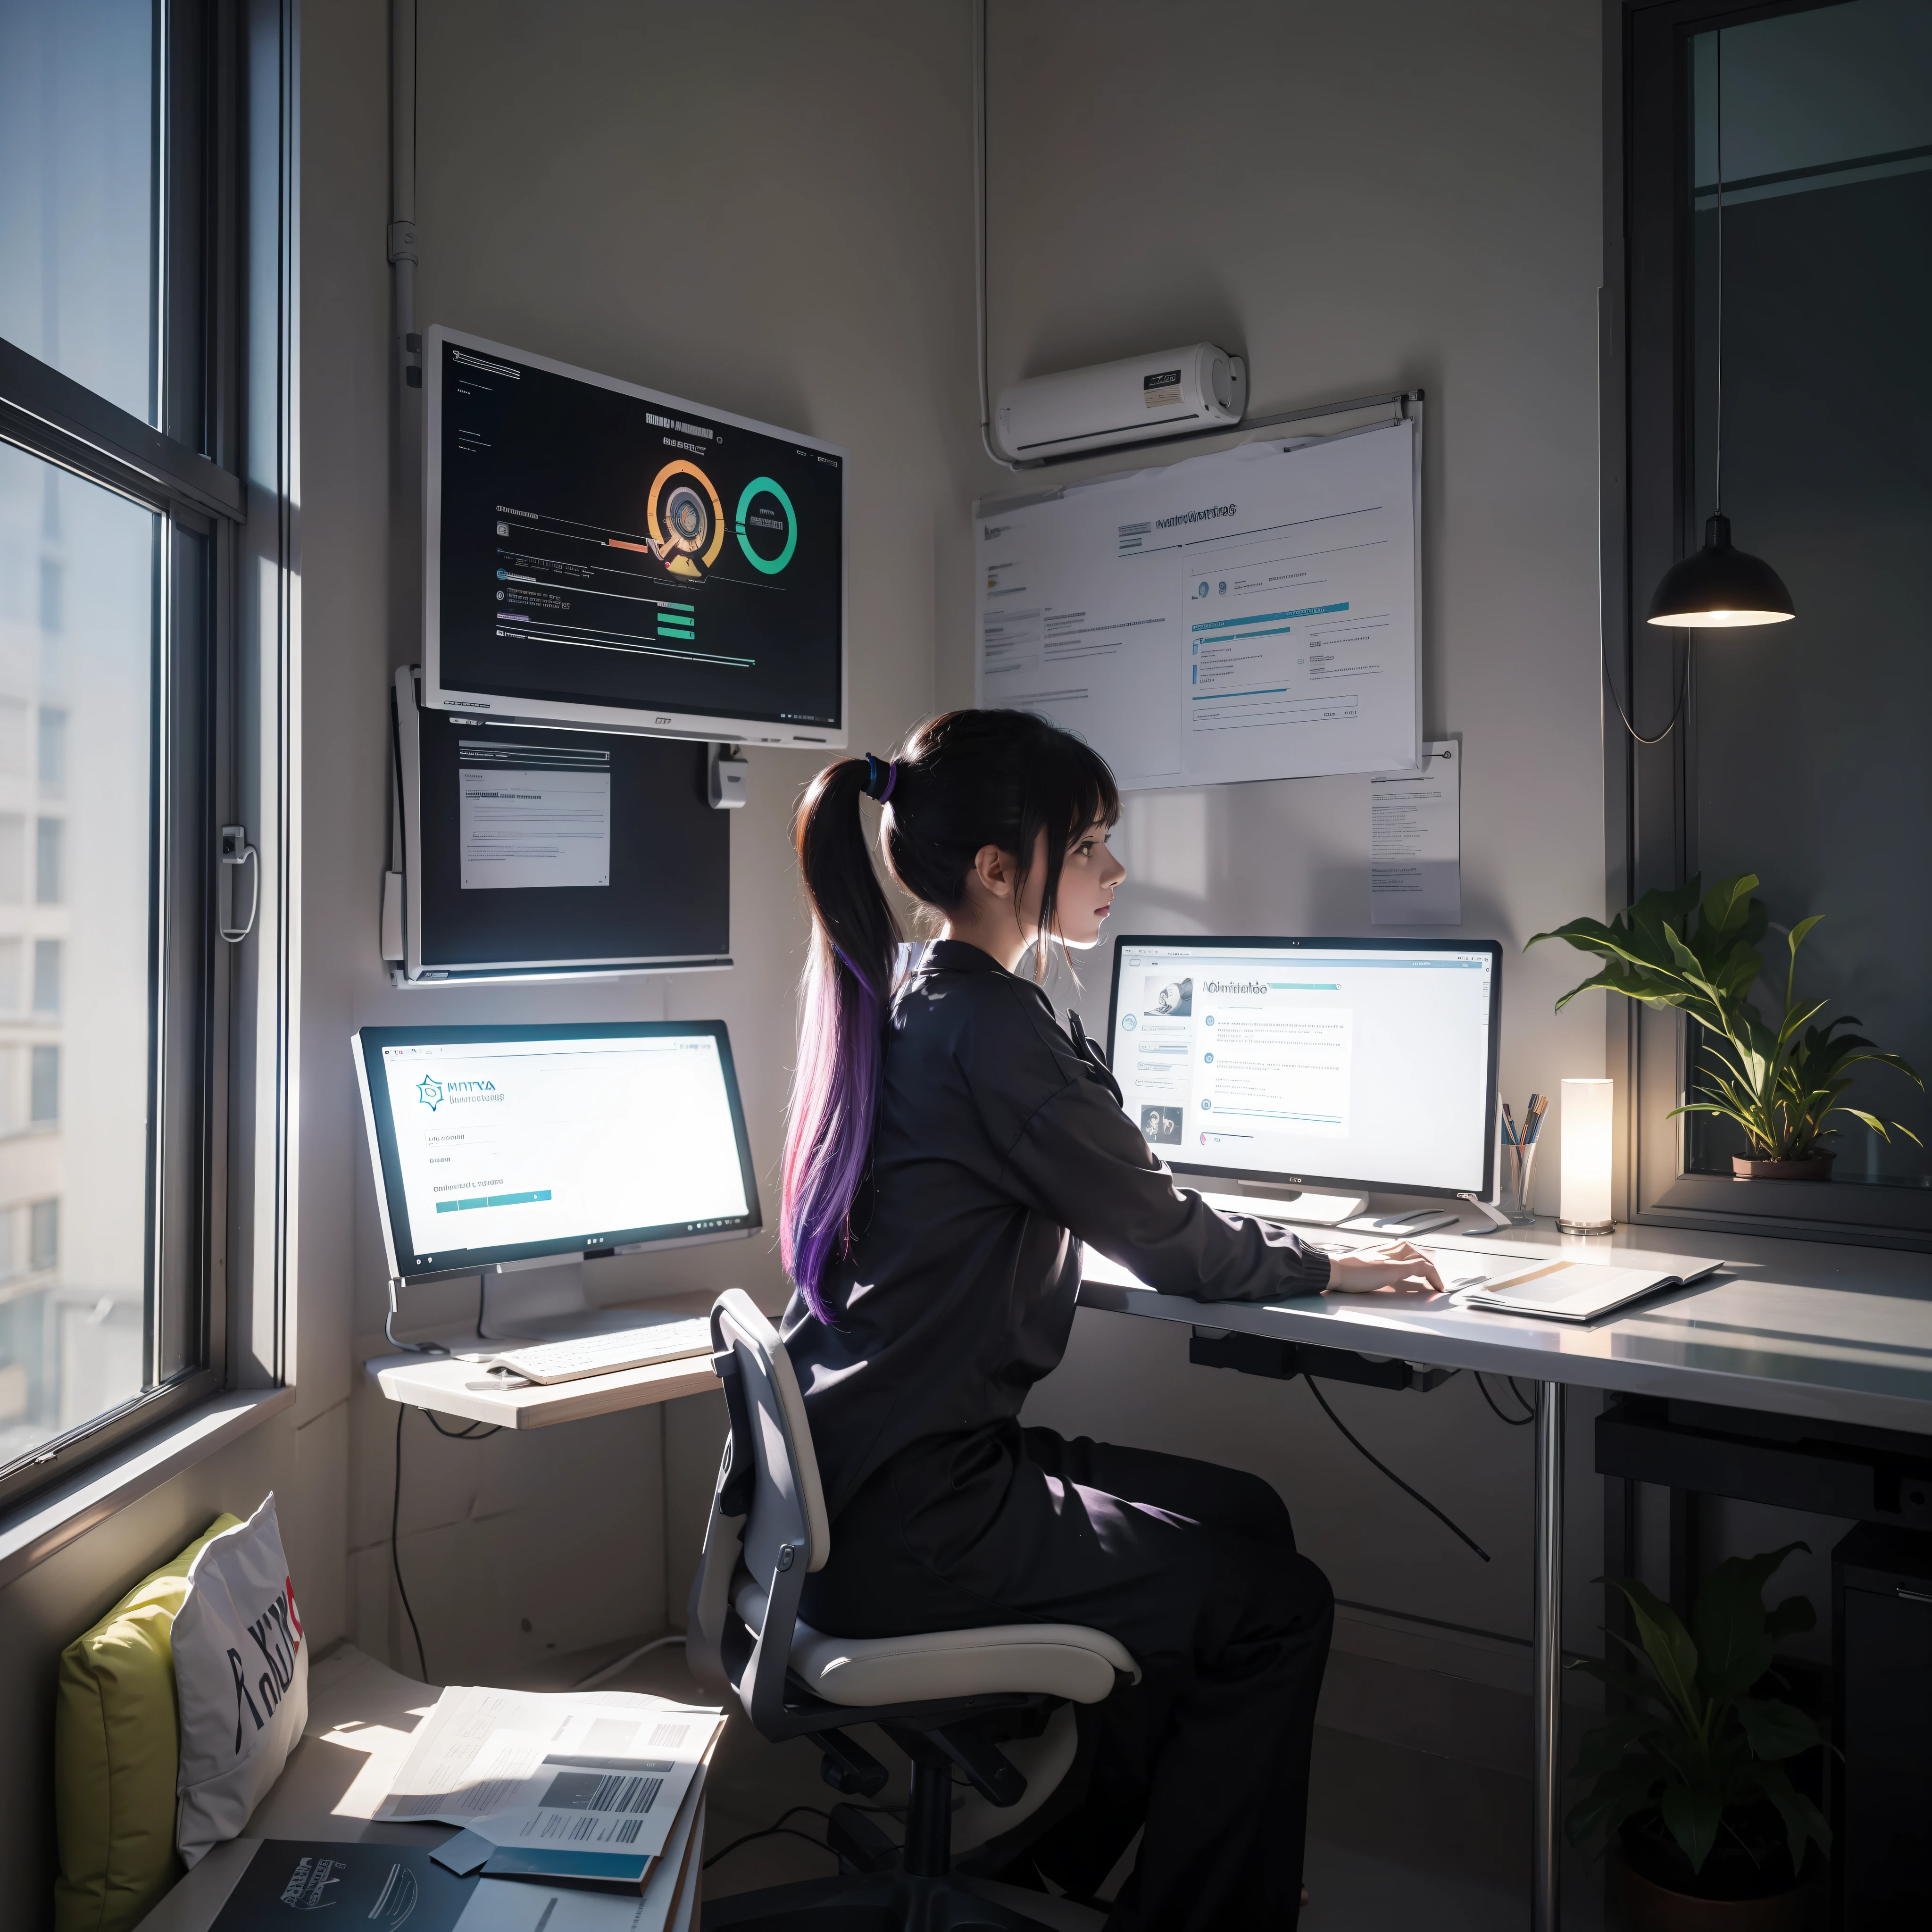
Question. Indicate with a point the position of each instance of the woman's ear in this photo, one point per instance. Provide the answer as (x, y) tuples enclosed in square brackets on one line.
[(994, 871)]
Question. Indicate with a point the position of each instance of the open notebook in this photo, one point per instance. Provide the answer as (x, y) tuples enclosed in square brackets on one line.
[(1564, 1290)]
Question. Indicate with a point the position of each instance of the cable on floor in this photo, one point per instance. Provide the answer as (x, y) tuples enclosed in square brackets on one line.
[(781, 1830), (605, 1671), (395, 1555), (1406, 1490), (1514, 1421)]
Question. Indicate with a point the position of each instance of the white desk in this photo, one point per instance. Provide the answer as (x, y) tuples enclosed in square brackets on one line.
[(1806, 1328), (446, 1383)]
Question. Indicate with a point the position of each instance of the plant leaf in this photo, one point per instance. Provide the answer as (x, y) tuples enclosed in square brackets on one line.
[(1618, 1795), (1602, 1749), (1627, 1682), (1775, 1730), (1802, 1819), (1692, 1812), (1734, 1647), (1672, 1654), (1792, 1616)]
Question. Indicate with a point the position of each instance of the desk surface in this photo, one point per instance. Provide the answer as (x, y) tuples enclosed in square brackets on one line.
[(1806, 1328), (443, 1382)]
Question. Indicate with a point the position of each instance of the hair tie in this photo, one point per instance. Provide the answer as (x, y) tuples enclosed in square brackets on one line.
[(874, 789)]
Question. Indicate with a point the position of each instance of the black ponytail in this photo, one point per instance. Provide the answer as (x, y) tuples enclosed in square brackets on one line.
[(961, 782)]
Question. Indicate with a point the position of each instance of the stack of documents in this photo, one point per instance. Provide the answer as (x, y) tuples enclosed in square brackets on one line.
[(600, 1791), (1581, 1290)]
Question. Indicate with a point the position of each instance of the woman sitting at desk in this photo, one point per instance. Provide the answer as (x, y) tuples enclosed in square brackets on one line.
[(950, 1148)]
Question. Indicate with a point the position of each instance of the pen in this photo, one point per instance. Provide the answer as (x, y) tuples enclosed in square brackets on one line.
[(1538, 1107), (1509, 1125)]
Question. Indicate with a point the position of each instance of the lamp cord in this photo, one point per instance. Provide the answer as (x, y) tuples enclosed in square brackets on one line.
[(1717, 465)]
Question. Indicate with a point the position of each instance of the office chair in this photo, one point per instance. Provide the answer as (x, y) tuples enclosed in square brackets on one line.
[(935, 1695)]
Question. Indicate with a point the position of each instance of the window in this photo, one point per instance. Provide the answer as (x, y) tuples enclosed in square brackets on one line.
[(44, 1109), (1799, 754), (52, 759), (146, 184), (44, 1236), (49, 842), (47, 976)]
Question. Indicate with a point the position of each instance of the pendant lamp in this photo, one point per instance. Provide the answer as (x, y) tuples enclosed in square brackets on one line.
[(1719, 588)]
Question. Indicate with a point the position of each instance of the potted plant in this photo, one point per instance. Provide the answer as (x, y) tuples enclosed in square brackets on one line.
[(1780, 1085), (1689, 1783)]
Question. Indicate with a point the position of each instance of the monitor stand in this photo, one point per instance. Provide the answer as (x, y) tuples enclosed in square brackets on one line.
[(544, 1300)]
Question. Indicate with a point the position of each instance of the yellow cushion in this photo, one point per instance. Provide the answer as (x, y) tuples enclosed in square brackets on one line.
[(116, 1753)]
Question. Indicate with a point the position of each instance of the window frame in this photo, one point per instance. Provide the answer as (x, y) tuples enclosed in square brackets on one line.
[(219, 473), (1648, 511)]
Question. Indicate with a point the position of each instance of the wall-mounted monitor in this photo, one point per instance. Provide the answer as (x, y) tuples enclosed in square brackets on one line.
[(1364, 1064), (604, 555), (494, 1144)]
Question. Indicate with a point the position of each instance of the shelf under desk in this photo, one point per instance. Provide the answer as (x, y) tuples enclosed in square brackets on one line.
[(440, 1382)]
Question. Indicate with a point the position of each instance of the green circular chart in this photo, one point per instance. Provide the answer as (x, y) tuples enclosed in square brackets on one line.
[(771, 566)]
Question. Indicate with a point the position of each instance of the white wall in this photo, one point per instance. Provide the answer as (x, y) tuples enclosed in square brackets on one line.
[(769, 210), (763, 209), (1357, 199)]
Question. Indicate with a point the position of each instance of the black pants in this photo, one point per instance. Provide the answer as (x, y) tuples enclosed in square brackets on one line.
[(1194, 1568)]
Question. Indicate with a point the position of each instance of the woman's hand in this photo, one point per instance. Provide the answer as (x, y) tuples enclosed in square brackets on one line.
[(1395, 1265)]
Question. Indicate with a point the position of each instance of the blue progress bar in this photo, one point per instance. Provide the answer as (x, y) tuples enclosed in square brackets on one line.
[(1274, 691), (1268, 616), (493, 1200)]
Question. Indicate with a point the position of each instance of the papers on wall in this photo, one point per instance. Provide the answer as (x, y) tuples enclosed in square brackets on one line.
[(532, 814), (601, 1772), (1415, 841), (1247, 615)]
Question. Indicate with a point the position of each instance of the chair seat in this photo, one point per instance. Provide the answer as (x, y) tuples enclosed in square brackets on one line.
[(1046, 1659)]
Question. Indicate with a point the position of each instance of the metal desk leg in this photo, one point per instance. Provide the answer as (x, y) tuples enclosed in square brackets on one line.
[(1545, 1904)]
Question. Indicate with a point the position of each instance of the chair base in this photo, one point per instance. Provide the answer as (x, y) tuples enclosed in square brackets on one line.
[(868, 1902)]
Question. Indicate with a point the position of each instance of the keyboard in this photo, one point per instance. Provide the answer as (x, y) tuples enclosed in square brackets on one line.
[(606, 1354)]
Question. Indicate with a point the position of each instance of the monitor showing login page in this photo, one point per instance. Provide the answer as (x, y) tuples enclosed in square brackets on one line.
[(496, 1144), (1367, 1064)]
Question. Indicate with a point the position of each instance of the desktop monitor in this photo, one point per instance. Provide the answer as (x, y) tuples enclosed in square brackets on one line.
[(506, 1143), (602, 555), (1364, 1064)]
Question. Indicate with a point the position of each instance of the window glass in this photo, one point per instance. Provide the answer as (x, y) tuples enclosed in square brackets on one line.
[(75, 1027), (77, 249), (1806, 754)]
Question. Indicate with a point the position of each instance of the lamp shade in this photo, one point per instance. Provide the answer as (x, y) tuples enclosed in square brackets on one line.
[(1583, 1194), (1719, 588)]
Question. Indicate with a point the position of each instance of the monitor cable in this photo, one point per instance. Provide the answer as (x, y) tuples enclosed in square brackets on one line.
[(1406, 1490), (476, 1433), (1514, 1421)]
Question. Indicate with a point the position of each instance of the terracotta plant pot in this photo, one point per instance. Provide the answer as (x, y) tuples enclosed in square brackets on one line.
[(1814, 1167), (1651, 1907)]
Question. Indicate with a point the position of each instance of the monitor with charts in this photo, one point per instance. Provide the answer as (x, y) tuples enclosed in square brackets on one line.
[(603, 555), (1365, 1064), (496, 1144)]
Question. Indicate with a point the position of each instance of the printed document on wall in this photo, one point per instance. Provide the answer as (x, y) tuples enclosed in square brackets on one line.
[(1248, 615), (1415, 841)]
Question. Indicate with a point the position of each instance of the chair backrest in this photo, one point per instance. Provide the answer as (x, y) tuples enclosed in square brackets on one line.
[(768, 1515)]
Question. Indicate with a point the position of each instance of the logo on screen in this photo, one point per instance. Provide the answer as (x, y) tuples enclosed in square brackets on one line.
[(429, 1091)]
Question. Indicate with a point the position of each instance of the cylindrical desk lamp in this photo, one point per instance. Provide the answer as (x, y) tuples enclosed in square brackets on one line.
[(1583, 1193)]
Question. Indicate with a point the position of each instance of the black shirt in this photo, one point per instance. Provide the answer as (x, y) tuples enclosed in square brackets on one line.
[(1000, 1146)]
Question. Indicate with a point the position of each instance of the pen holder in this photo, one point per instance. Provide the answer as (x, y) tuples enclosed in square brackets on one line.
[(1519, 1185)]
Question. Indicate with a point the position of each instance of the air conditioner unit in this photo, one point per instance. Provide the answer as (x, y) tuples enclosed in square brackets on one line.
[(1198, 387)]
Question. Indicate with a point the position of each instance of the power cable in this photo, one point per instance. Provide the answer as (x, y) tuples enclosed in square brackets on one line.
[(1416, 1494), (1514, 1421), (395, 1555), (979, 226)]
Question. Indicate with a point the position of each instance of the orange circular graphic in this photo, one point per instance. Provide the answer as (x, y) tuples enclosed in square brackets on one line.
[(676, 542)]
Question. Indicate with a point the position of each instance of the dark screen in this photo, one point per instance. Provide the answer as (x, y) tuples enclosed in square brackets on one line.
[(669, 894), (599, 548)]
